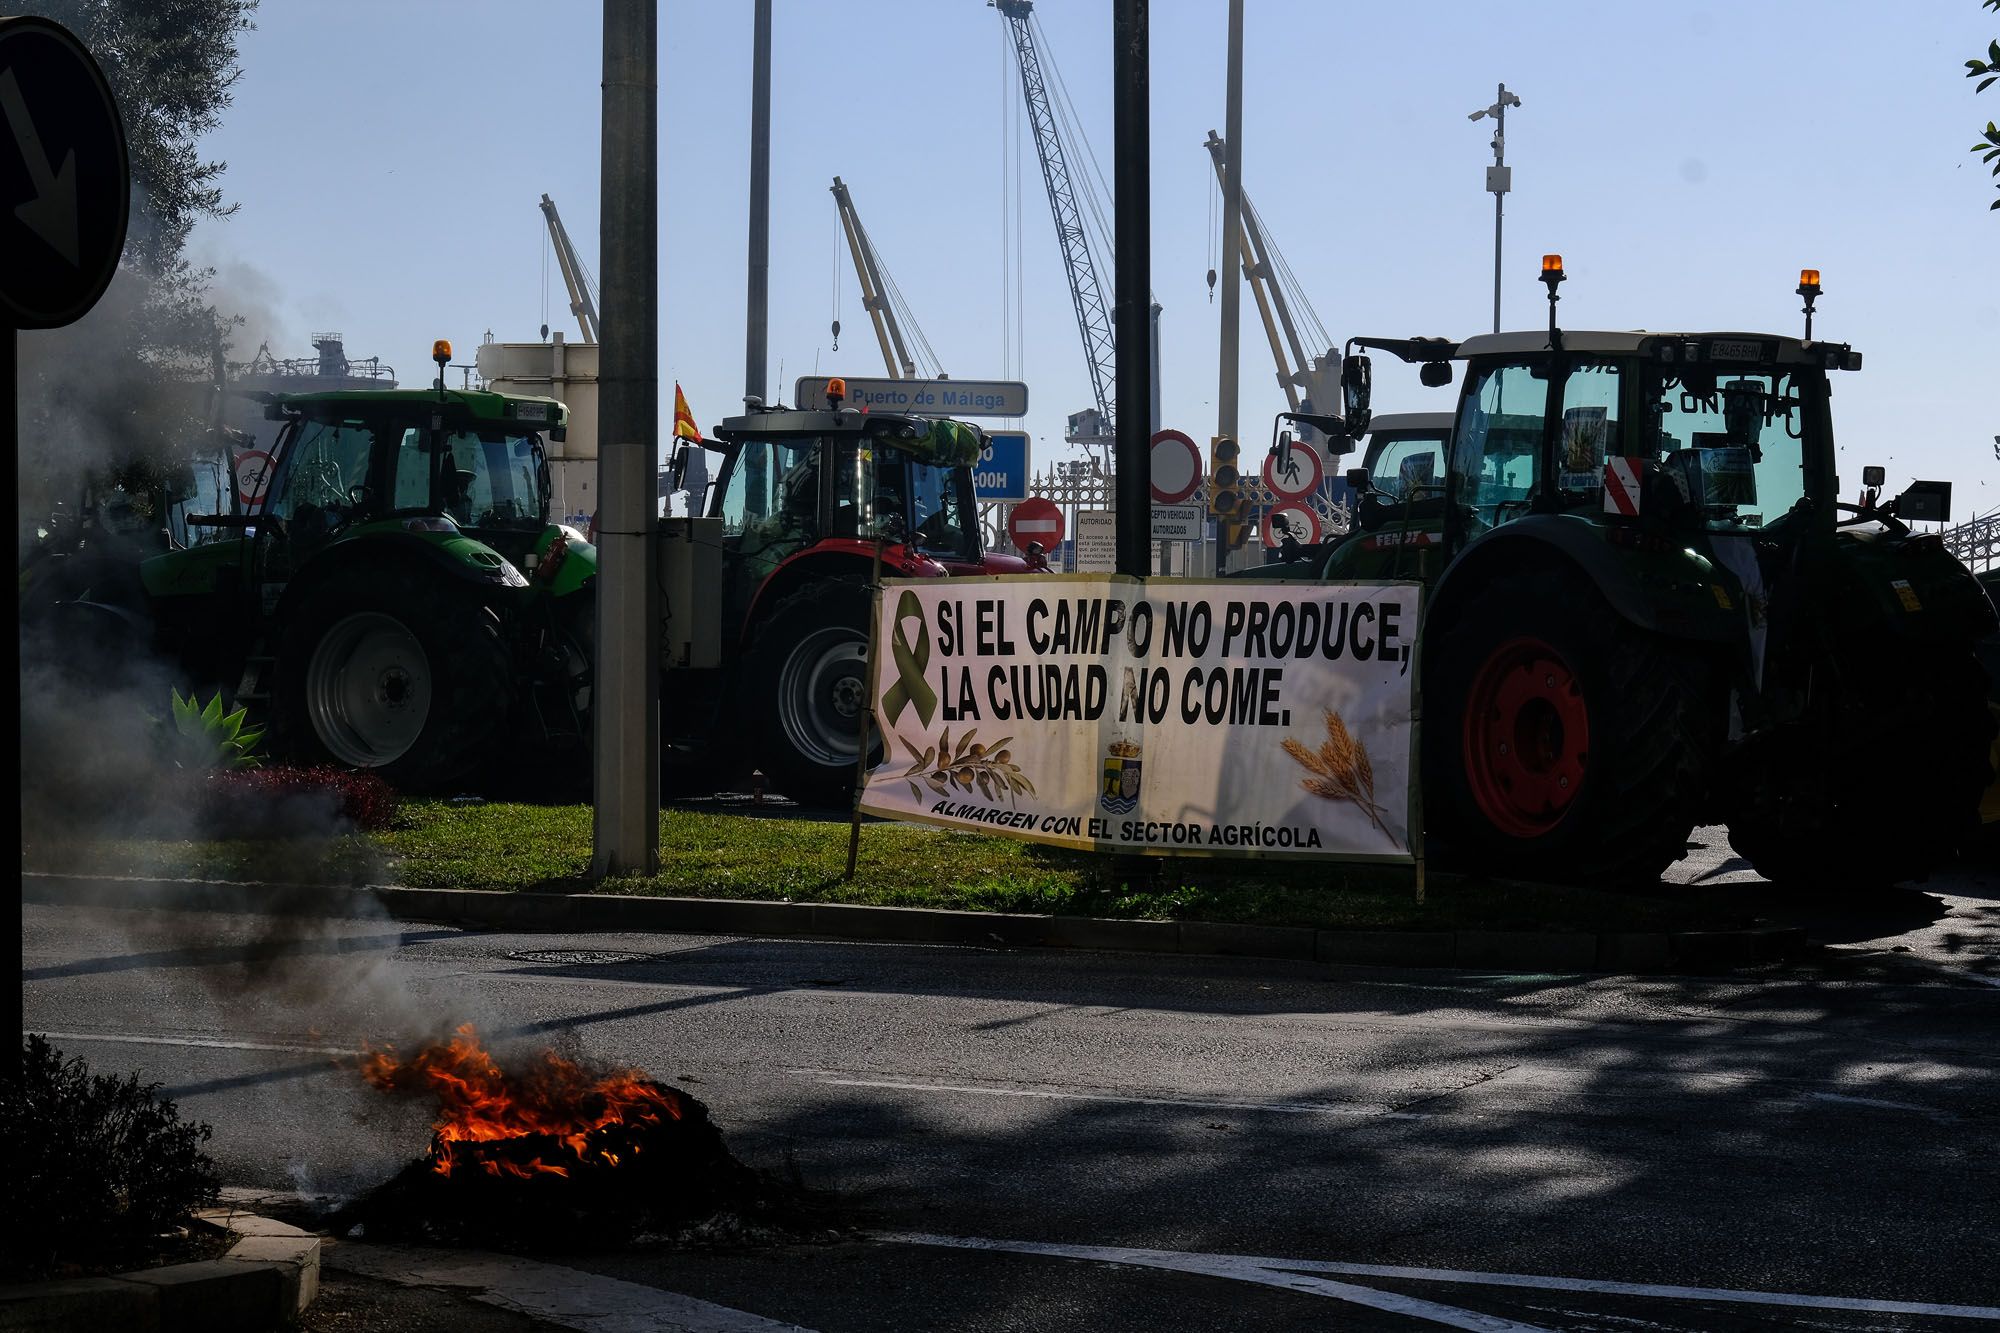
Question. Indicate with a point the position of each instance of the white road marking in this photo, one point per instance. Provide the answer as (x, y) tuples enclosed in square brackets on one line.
[(1242, 1269), (1842, 1099), (1288, 1108), (203, 1043), (568, 1297), (1234, 1265)]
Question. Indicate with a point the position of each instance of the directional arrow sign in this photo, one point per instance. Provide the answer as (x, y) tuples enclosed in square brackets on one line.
[(65, 185)]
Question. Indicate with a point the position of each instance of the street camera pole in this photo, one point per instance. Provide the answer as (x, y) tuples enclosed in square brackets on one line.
[(757, 327), (625, 697), (1498, 180), (1226, 401), (1132, 312)]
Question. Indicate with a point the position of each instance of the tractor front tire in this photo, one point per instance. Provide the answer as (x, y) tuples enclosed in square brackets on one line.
[(394, 673), (807, 672), (1562, 743), (1895, 791)]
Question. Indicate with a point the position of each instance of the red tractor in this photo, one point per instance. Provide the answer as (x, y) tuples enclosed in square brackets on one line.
[(806, 503)]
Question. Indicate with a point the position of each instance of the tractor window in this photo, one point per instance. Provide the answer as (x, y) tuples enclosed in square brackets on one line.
[(1590, 431), (491, 481), (1732, 441), (944, 522), (870, 491), (1497, 442), (486, 481), (413, 470), (322, 476), (1412, 461), (770, 504)]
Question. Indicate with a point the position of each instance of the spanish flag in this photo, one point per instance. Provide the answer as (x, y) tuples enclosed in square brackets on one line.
[(684, 427)]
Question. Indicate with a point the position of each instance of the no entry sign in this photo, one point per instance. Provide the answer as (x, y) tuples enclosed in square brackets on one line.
[(65, 186), (1176, 467), (1036, 520)]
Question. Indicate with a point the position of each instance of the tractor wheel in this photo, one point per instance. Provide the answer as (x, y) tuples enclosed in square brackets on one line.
[(398, 674), (808, 675), (1562, 743), (1895, 790)]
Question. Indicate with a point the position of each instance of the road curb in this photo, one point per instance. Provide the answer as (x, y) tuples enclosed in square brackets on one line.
[(265, 1281), (494, 909)]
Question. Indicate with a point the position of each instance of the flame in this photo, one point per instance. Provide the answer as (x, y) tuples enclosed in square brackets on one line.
[(484, 1109)]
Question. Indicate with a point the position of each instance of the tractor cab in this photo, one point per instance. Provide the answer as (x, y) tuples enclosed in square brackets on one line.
[(797, 488), (469, 463)]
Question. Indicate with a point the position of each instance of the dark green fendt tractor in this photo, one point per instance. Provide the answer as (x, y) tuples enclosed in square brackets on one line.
[(394, 593), (1648, 608)]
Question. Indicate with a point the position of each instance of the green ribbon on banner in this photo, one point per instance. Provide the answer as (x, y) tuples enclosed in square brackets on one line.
[(910, 689)]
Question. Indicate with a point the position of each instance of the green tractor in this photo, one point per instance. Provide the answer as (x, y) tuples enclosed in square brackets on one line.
[(1648, 608), (390, 593)]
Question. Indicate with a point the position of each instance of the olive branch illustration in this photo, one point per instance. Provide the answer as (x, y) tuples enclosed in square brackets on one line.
[(990, 769), (1340, 770)]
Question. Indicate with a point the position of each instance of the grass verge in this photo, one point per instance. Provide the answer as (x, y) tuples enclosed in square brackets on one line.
[(705, 855)]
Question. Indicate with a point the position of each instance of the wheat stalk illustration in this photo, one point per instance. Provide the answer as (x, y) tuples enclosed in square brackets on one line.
[(1340, 770), (971, 765)]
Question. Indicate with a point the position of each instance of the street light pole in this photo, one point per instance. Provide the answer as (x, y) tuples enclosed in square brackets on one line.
[(1498, 180)]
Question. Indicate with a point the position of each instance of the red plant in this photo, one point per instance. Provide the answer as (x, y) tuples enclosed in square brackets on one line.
[(244, 799)]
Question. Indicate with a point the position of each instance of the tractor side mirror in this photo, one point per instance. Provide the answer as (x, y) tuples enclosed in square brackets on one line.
[(1356, 389), (1924, 502), (1874, 476), (1435, 374)]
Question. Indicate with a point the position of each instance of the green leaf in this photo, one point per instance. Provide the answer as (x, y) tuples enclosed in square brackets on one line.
[(184, 709), (213, 713), (1985, 83), (249, 739)]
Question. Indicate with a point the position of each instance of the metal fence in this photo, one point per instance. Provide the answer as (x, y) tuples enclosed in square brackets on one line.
[(1975, 541)]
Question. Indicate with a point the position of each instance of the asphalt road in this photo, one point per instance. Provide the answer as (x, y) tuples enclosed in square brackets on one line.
[(1119, 1142)]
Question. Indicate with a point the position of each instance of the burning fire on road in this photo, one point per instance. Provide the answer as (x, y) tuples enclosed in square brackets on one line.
[(541, 1151), (550, 1117)]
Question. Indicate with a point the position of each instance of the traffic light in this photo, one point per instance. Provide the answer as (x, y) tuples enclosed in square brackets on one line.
[(1226, 500)]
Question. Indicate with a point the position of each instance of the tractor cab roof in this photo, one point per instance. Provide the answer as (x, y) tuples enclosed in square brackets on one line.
[(1410, 423), (1720, 348), (937, 440), (523, 411)]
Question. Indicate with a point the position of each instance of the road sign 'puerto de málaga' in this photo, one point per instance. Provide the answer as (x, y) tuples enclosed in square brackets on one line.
[(65, 184), (924, 398), (1036, 520)]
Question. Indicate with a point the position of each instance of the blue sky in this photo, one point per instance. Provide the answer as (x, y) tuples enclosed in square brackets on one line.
[(1687, 160)]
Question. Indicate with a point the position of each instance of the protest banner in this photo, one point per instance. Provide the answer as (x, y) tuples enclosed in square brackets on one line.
[(1172, 716)]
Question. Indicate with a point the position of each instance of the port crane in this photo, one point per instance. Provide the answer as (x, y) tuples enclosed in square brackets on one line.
[(1310, 382), (582, 287), (880, 296), (1087, 293)]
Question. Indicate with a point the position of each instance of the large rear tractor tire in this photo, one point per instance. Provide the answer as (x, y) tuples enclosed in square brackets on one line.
[(1894, 793), (1562, 743), (397, 674), (807, 672)]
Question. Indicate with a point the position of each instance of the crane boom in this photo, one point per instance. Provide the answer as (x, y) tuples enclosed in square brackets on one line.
[(1093, 316), (1296, 371), (869, 270), (580, 303)]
